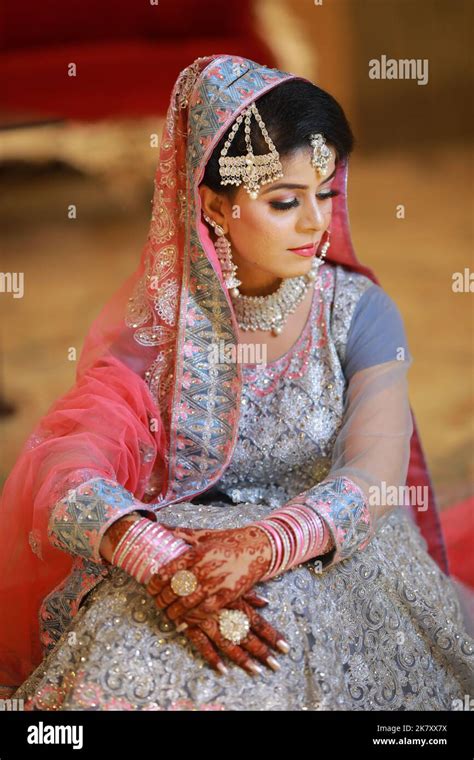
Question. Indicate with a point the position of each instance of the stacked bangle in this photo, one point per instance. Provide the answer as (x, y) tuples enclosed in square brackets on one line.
[(145, 547), (296, 534)]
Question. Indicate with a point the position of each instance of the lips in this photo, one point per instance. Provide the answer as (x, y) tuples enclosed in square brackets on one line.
[(305, 250)]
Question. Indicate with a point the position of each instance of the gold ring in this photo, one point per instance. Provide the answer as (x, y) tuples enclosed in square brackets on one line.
[(234, 625), (184, 582)]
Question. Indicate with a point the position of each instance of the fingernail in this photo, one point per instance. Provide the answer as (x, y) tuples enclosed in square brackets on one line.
[(283, 646), (273, 663), (264, 599), (255, 668), (220, 666), (181, 627)]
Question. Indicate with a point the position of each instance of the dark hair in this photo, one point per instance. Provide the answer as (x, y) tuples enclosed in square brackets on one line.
[(291, 111)]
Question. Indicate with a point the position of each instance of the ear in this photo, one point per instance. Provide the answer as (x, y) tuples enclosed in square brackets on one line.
[(213, 205)]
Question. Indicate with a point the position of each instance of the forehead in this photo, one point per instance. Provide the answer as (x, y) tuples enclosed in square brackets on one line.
[(299, 163)]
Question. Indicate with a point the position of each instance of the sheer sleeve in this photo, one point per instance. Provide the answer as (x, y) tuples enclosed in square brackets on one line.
[(371, 452), (370, 458)]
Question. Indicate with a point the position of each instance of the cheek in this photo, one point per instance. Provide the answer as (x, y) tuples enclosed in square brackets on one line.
[(262, 230)]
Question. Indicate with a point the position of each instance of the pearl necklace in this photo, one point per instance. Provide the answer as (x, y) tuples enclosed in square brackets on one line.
[(271, 312)]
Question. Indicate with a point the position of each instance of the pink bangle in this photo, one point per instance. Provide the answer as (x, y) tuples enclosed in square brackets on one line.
[(276, 545), (145, 547), (137, 527), (139, 550), (296, 534)]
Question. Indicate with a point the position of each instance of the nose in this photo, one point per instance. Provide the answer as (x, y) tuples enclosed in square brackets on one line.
[(311, 217)]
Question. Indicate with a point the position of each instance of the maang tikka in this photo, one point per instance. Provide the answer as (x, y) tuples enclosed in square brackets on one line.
[(321, 153), (256, 171)]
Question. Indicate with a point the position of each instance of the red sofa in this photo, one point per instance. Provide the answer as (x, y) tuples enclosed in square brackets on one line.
[(128, 53)]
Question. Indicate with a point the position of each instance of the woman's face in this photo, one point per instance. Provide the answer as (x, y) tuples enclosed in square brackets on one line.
[(290, 212)]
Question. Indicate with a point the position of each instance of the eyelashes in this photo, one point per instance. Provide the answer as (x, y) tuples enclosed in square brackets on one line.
[(285, 205)]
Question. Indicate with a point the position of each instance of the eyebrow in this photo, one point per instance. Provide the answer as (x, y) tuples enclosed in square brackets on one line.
[(293, 185)]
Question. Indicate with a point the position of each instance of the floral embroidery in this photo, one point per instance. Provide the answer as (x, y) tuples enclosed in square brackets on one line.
[(207, 427), (91, 696), (79, 520), (62, 603), (343, 506), (382, 631)]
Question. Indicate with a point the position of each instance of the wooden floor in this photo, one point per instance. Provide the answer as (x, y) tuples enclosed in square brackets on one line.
[(72, 267)]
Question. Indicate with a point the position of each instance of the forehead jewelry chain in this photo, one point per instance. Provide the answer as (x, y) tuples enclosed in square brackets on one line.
[(321, 153), (250, 169)]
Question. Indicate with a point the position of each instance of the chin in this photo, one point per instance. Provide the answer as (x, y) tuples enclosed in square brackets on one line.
[(298, 267)]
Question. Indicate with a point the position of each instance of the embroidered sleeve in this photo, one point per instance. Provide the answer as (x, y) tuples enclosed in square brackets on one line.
[(343, 507), (370, 458), (80, 518)]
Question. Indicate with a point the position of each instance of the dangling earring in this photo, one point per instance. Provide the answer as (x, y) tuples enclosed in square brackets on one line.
[(319, 260), (224, 254)]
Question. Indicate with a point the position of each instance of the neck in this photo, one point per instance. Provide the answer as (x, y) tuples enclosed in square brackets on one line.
[(259, 290)]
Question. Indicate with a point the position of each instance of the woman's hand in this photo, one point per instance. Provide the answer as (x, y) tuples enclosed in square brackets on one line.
[(204, 630), (227, 563), (226, 554), (195, 536)]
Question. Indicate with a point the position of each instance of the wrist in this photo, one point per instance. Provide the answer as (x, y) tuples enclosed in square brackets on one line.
[(262, 542), (144, 547), (295, 534), (114, 533)]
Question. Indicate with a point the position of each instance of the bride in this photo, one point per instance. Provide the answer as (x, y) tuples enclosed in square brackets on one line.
[(184, 531)]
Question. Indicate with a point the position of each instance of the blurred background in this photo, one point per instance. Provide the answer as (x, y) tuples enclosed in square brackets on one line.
[(85, 140)]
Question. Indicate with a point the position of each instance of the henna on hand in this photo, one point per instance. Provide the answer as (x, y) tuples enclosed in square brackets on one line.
[(204, 631), (118, 528), (226, 566)]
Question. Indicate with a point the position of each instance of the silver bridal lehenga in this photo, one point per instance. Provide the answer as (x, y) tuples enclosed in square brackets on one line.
[(382, 630)]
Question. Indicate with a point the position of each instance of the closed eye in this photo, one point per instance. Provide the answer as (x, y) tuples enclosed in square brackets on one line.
[(285, 205)]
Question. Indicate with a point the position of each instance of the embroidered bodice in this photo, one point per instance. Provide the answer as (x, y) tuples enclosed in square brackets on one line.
[(292, 407)]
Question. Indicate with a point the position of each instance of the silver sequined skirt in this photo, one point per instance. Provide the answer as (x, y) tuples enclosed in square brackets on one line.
[(381, 630)]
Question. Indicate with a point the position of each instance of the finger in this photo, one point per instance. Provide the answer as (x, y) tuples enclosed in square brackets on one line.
[(254, 644), (236, 653), (178, 611), (252, 598), (259, 650), (165, 597), (204, 646), (261, 627), (162, 578), (179, 607), (215, 602)]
